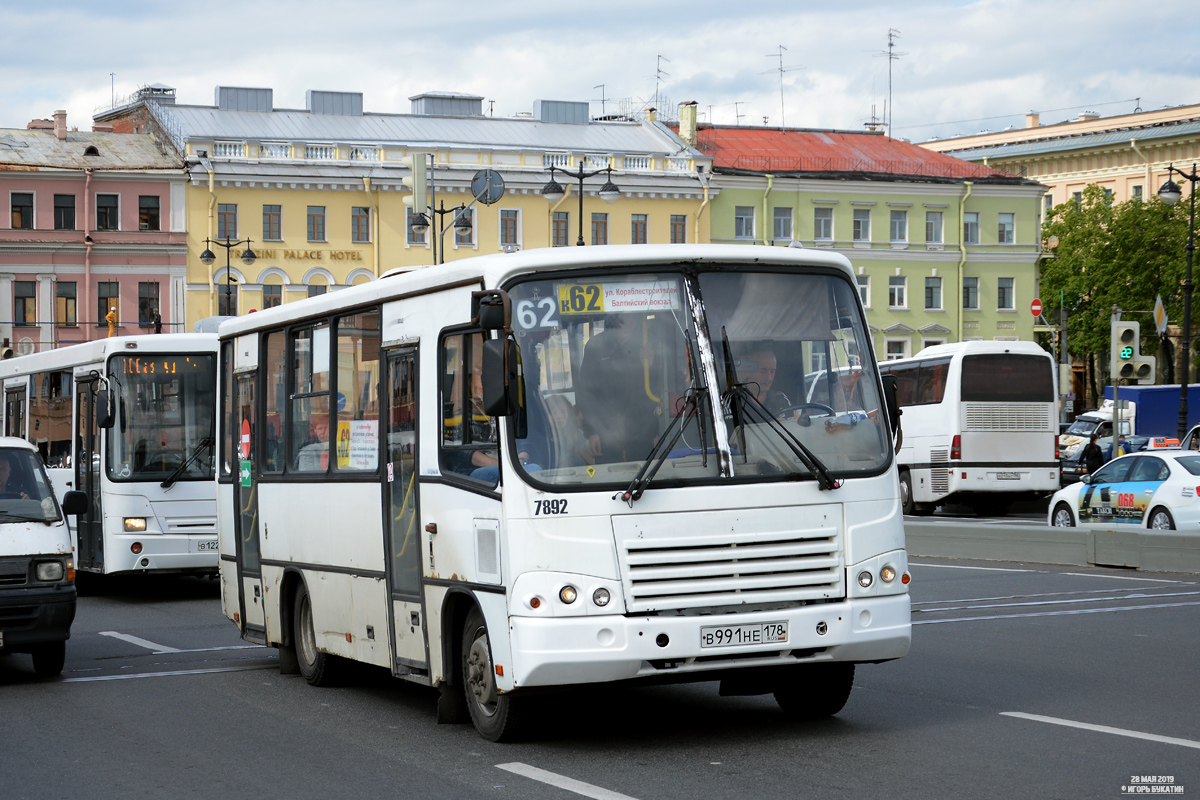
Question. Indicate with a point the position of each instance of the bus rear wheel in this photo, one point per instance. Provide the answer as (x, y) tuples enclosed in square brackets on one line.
[(48, 659), (496, 716), (315, 666), (906, 496), (815, 691)]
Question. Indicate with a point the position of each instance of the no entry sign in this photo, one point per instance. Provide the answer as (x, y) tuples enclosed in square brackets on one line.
[(245, 438), (1036, 307)]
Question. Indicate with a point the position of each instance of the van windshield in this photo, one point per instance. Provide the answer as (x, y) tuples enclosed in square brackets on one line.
[(25, 493)]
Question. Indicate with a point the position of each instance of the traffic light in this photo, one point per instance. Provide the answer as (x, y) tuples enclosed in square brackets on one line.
[(417, 182), (1127, 359)]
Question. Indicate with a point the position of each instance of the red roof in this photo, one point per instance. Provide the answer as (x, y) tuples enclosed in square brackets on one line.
[(786, 151)]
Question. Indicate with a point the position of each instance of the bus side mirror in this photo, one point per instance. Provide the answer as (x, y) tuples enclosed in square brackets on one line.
[(491, 310), (75, 503), (890, 387), (501, 381), (104, 415)]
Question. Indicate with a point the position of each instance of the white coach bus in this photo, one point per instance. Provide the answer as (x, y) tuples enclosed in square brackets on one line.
[(567, 466), (980, 425), (129, 421)]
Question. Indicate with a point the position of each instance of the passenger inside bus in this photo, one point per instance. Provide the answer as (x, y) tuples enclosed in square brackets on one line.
[(314, 452), (757, 370), (619, 415)]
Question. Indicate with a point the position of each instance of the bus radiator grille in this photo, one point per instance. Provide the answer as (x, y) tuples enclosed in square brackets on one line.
[(1007, 417), (939, 475)]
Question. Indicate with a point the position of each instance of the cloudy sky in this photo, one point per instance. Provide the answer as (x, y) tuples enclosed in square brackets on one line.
[(967, 66)]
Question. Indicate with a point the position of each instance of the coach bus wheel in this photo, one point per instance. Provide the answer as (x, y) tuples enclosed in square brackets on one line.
[(496, 716), (814, 691), (1160, 520), (906, 501), (48, 659), (1062, 516), (314, 665)]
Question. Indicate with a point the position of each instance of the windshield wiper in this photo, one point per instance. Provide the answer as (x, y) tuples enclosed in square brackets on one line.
[(25, 518), (807, 457), (659, 452), (207, 441)]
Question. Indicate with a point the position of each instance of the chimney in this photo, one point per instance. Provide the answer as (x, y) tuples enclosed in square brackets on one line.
[(102, 127), (687, 123), (1088, 116), (1033, 120), (651, 114), (60, 124), (40, 125)]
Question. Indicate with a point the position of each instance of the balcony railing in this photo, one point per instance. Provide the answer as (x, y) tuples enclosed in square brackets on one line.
[(275, 150), (556, 160), (320, 152), (678, 164), (637, 162), (229, 150), (364, 153), (596, 162)]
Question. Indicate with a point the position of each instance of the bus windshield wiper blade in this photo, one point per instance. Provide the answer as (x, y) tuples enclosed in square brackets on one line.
[(662, 448), (207, 441), (807, 457)]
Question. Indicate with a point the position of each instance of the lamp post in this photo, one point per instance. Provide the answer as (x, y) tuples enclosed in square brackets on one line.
[(553, 191), (1170, 194), (462, 226), (248, 258)]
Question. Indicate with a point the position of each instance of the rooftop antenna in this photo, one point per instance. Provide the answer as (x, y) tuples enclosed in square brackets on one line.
[(780, 69), (603, 100), (659, 74), (491, 108), (112, 76), (891, 56), (874, 124), (737, 114), (1137, 109)]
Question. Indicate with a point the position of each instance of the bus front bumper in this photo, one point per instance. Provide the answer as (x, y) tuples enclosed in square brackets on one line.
[(595, 649)]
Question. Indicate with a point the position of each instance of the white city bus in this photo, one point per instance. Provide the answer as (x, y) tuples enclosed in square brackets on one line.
[(600, 494), (129, 421), (980, 425)]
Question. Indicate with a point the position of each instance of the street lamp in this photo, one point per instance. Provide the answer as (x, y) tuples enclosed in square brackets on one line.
[(462, 225), (1170, 194), (553, 191), (248, 258)]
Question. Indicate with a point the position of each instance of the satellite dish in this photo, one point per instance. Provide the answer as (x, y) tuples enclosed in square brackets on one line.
[(25, 346)]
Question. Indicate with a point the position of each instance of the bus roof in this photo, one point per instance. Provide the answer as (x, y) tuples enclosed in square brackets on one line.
[(954, 348), (96, 351), (493, 270)]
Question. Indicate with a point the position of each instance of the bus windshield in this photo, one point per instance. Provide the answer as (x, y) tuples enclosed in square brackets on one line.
[(1007, 378), (164, 417), (613, 365)]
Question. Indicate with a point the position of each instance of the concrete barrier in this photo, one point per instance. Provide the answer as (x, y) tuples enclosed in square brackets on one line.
[(1147, 551)]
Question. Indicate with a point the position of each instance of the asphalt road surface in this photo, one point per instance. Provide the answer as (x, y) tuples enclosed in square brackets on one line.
[(1023, 681)]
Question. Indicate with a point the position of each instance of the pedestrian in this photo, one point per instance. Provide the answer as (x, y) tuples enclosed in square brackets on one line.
[(157, 321), (111, 319), (1117, 448), (1092, 457)]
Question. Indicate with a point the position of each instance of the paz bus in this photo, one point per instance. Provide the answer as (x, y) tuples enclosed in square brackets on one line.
[(129, 421), (980, 425), (566, 466)]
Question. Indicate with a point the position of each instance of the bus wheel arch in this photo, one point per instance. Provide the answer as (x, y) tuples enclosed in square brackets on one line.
[(497, 717), (317, 667), (452, 705), (288, 586)]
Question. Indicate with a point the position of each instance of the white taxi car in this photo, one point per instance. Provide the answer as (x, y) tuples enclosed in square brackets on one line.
[(1157, 489)]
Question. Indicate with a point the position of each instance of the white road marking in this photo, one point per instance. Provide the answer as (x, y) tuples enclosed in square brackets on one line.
[(1054, 613), (1118, 577), (563, 782), (125, 637), (1132, 596), (1150, 737), (984, 569), (1034, 594), (165, 674), (214, 649)]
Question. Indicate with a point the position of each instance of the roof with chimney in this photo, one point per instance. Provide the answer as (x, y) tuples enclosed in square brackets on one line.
[(38, 148)]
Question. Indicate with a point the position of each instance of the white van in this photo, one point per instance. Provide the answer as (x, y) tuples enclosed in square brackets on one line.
[(37, 561)]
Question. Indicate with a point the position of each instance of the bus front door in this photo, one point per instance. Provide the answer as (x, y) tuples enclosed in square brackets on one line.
[(245, 488), (89, 527), (402, 527)]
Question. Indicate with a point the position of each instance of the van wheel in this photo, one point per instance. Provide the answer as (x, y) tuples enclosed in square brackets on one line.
[(497, 717), (1062, 516), (906, 501), (1160, 520), (815, 691), (315, 666), (48, 659)]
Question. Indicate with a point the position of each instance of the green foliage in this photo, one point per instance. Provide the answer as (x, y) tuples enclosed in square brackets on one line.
[(1106, 255)]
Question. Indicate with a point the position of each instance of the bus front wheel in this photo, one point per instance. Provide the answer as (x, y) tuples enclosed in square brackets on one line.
[(496, 716), (815, 691), (315, 666), (906, 495)]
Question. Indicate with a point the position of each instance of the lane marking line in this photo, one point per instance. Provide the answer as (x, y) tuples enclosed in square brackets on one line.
[(563, 782), (1040, 594), (1131, 596), (1053, 613), (125, 637), (1119, 577), (214, 649), (1150, 737), (956, 566), (165, 674)]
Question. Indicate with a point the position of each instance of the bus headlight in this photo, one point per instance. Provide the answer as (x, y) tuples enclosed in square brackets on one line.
[(568, 594), (865, 579), (135, 524), (49, 571), (887, 574), (601, 596)]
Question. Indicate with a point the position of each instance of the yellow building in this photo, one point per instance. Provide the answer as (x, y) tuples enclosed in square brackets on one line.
[(319, 191)]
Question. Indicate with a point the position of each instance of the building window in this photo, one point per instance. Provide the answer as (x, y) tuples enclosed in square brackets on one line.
[(933, 227), (1137, 192), (637, 228), (1108, 196), (679, 228), (1005, 229), (783, 224), (599, 228), (970, 294), (464, 239), (360, 225), (65, 311), (272, 296), (559, 229), (862, 224), (896, 349), (227, 299), (413, 236), (147, 302), (271, 223), (971, 227), (743, 222), (148, 219), (1004, 294), (316, 223), (1078, 198), (1049, 203), (896, 290), (107, 213), (227, 221), (933, 294), (899, 230), (22, 210), (864, 289), (315, 289), (823, 224), (108, 297), (510, 228), (64, 212), (25, 302)]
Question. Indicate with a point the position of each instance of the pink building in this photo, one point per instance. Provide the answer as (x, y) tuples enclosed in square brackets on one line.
[(92, 220)]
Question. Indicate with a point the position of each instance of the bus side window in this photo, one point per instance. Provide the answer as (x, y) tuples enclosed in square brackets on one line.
[(469, 445), (906, 384)]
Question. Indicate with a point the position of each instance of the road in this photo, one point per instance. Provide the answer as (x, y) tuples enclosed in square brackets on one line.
[(1022, 679)]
